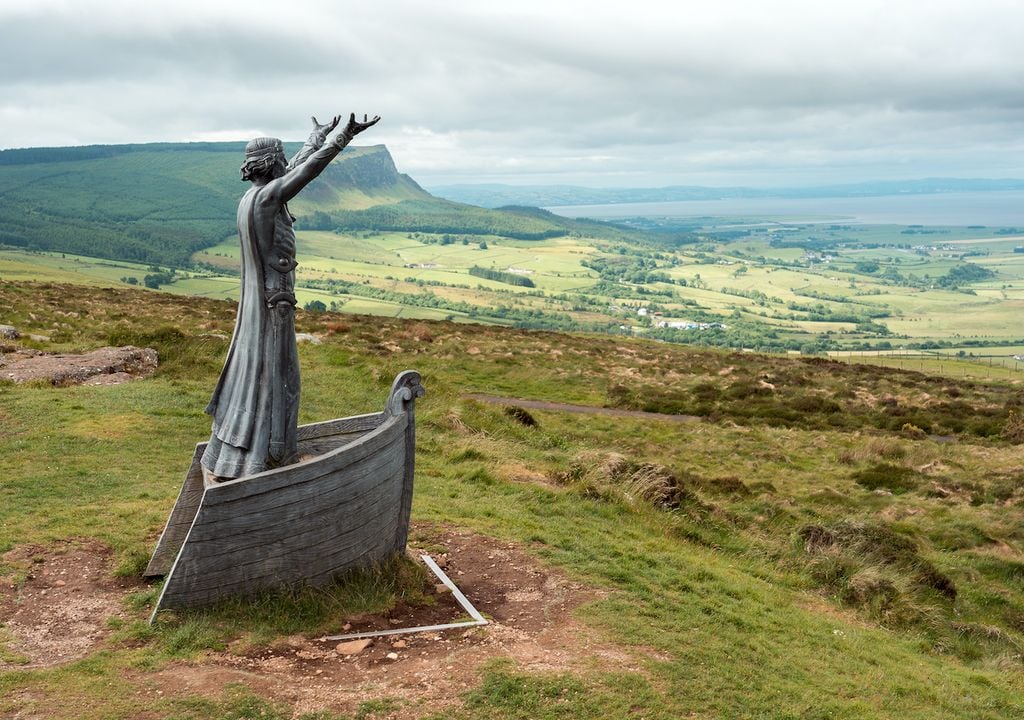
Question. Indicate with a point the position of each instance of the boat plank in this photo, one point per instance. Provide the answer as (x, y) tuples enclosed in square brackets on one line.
[(354, 424), (324, 527), (300, 502), (180, 520), (281, 572), (279, 557), (246, 490)]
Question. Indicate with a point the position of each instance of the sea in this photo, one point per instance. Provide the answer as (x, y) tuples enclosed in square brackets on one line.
[(995, 209)]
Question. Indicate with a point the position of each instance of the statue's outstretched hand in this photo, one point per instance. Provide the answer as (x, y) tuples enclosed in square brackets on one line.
[(354, 127), (325, 129)]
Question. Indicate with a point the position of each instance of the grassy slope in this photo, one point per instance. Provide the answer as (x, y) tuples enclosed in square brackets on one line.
[(728, 611), (160, 203)]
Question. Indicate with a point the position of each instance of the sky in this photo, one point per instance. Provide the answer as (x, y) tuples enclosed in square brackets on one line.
[(627, 94)]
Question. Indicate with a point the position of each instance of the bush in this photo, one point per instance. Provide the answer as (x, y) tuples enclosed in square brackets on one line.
[(520, 415), (886, 476), (1013, 428)]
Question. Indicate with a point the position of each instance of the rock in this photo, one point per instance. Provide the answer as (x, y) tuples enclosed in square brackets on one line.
[(398, 644), (126, 363), (442, 562), (346, 627), (392, 656), (353, 647), (307, 337), (441, 589), (9, 332)]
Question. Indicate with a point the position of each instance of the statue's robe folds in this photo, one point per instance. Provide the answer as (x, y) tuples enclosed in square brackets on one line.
[(255, 406), (256, 402)]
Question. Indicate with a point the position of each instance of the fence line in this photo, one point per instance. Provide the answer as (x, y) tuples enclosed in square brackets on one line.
[(926, 360)]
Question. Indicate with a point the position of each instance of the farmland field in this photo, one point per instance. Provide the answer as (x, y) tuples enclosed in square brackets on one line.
[(735, 282)]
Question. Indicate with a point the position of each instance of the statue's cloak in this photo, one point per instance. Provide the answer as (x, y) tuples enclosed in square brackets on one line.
[(255, 403)]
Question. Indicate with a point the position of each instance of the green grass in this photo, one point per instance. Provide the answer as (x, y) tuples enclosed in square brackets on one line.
[(722, 603)]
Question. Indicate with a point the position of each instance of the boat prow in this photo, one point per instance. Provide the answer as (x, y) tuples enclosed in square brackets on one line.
[(346, 506)]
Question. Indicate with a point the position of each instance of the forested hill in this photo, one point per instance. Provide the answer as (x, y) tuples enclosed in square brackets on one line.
[(160, 202)]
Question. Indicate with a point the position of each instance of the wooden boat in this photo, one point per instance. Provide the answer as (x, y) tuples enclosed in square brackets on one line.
[(345, 506)]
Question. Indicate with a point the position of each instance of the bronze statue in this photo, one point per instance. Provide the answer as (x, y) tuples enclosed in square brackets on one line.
[(255, 403)]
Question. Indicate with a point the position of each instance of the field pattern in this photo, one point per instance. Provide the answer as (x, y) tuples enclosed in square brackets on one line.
[(757, 284)]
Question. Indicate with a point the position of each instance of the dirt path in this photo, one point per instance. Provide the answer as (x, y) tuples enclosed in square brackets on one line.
[(584, 409)]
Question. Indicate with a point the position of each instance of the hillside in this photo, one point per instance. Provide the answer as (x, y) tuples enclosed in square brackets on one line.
[(815, 540), (371, 241), (159, 203)]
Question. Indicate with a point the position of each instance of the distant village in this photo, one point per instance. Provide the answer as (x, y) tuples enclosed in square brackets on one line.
[(679, 324)]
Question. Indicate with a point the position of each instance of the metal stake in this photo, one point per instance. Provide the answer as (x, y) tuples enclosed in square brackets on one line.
[(478, 619)]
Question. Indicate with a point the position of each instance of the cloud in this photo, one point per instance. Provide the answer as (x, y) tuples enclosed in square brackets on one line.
[(647, 93)]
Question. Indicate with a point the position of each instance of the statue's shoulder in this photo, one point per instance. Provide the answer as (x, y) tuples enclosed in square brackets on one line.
[(267, 197)]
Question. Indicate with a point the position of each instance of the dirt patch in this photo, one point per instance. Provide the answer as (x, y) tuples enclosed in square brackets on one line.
[(105, 366), (530, 609), (60, 612)]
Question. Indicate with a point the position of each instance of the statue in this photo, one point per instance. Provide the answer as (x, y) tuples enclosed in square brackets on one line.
[(255, 403), (266, 504)]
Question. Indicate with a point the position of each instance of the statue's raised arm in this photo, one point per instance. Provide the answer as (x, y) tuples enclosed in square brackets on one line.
[(287, 185), (315, 141)]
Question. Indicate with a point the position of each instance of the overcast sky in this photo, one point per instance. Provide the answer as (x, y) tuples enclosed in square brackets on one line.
[(636, 93)]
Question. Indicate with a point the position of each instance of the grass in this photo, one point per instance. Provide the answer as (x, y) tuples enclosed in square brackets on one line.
[(758, 564)]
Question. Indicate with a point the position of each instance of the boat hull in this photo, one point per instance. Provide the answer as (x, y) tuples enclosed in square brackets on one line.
[(347, 506)]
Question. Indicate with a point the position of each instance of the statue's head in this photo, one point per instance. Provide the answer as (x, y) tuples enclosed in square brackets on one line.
[(264, 159)]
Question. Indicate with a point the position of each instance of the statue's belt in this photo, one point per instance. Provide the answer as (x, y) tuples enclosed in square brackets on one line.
[(275, 298), (283, 263)]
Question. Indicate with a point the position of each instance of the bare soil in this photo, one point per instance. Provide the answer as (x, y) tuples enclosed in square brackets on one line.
[(60, 611), (531, 622)]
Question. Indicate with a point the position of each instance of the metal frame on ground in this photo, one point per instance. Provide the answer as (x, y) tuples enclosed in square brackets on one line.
[(478, 619)]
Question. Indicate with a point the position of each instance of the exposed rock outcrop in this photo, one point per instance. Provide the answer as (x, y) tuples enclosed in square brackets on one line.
[(105, 366)]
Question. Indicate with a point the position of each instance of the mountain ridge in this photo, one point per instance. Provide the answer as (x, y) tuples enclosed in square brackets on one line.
[(161, 202)]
